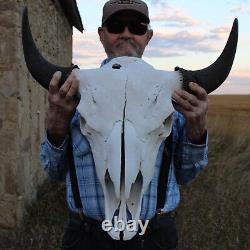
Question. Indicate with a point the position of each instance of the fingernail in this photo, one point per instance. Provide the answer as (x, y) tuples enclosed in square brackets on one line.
[(191, 84), (176, 92), (58, 73), (173, 100)]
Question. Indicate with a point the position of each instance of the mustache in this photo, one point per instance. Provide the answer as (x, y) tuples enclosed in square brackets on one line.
[(125, 40)]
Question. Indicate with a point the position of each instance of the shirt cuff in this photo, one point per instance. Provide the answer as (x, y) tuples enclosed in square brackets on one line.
[(56, 148), (50, 155), (195, 153), (204, 140)]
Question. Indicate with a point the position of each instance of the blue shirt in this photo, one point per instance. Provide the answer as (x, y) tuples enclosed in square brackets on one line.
[(187, 160)]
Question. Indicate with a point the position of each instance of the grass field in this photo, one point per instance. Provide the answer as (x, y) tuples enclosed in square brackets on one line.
[(215, 209)]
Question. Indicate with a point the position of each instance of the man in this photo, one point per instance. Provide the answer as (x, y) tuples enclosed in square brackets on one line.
[(125, 32)]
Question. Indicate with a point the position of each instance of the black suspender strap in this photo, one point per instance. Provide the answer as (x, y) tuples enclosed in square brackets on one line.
[(73, 177), (162, 182), (164, 172)]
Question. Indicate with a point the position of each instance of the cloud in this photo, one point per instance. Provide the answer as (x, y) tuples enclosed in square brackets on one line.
[(241, 81), (243, 8), (238, 82), (220, 33), (221, 30), (177, 38), (179, 43), (176, 18), (173, 16), (162, 3), (161, 52), (87, 50), (241, 77)]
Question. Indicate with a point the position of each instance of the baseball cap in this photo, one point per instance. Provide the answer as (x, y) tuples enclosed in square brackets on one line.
[(113, 6)]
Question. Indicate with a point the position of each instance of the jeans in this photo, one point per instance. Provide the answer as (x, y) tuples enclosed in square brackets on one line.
[(161, 234)]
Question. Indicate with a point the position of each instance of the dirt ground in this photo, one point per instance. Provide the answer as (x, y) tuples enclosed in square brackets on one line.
[(215, 209)]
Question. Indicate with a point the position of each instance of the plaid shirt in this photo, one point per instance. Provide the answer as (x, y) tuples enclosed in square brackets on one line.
[(187, 161)]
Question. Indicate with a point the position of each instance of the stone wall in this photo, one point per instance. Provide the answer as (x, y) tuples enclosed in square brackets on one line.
[(23, 102)]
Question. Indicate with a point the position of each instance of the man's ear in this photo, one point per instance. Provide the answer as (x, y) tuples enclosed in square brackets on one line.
[(150, 34), (101, 34)]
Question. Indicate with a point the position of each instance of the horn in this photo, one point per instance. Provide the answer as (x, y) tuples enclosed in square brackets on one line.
[(213, 76), (38, 66)]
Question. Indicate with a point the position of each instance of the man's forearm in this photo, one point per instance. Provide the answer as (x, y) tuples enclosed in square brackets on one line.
[(190, 159), (62, 106), (57, 127), (54, 159)]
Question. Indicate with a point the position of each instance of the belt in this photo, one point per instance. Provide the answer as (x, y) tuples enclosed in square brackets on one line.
[(79, 219), (160, 214)]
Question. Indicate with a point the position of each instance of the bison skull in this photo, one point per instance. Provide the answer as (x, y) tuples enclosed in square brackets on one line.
[(125, 115)]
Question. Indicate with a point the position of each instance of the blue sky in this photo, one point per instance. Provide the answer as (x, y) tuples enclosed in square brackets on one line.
[(190, 34)]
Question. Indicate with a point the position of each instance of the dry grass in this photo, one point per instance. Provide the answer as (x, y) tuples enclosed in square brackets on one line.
[(214, 211), (43, 224)]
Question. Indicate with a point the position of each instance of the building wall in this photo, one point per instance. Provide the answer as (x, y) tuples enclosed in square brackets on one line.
[(23, 102)]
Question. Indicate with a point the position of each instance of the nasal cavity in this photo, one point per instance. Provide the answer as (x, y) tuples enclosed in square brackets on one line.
[(116, 66)]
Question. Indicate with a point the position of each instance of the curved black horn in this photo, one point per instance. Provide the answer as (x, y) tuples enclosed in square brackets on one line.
[(38, 66), (212, 77)]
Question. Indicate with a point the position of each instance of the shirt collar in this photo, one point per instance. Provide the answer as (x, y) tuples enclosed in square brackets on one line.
[(105, 61)]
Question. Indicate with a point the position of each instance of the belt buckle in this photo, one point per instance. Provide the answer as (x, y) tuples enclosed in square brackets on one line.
[(159, 213)]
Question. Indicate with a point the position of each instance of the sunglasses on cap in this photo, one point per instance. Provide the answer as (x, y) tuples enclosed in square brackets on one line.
[(134, 27)]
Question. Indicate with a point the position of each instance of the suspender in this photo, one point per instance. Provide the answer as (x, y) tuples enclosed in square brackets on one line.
[(162, 182), (73, 177), (164, 172)]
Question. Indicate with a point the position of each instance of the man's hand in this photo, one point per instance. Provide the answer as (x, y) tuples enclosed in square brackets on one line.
[(194, 107), (62, 106)]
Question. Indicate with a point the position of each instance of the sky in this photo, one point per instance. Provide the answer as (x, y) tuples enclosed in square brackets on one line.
[(190, 34)]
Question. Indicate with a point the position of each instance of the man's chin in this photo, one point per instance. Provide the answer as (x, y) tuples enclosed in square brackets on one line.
[(127, 53)]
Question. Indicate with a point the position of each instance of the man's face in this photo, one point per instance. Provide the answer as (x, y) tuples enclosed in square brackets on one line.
[(124, 43)]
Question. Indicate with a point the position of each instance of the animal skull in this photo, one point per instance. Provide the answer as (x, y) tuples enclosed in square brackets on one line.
[(124, 112)]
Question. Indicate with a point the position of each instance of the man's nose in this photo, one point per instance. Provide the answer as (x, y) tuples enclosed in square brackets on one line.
[(126, 32)]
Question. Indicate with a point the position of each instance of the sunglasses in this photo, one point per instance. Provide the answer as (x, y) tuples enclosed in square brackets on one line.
[(134, 27)]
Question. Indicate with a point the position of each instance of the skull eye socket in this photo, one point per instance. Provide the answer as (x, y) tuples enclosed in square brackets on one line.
[(83, 126), (167, 126), (167, 121), (83, 122)]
